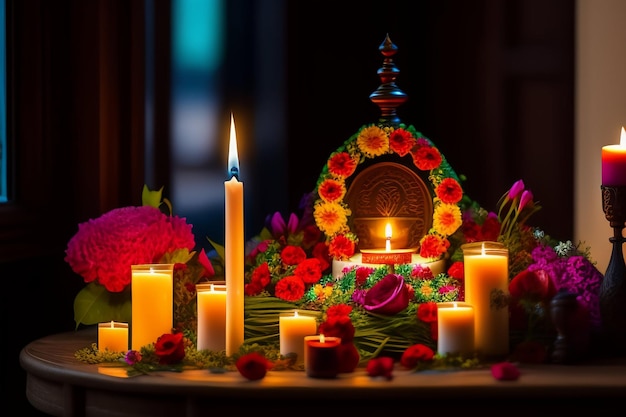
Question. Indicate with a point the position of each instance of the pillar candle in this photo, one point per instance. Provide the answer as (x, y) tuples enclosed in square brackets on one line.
[(234, 250), (152, 303), (211, 305), (321, 358), (113, 336), (486, 289), (614, 163), (455, 329), (293, 328)]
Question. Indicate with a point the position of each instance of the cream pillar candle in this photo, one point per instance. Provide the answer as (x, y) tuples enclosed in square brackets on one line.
[(293, 328), (152, 303), (486, 289), (211, 305), (113, 336), (234, 248), (455, 329)]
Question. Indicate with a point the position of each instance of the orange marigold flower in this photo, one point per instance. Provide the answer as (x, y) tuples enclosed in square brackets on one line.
[(433, 246), (449, 191), (373, 141), (427, 158), (331, 218), (331, 190), (341, 247), (342, 165), (447, 219), (401, 142)]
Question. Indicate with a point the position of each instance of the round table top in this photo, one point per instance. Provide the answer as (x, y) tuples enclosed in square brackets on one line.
[(60, 384)]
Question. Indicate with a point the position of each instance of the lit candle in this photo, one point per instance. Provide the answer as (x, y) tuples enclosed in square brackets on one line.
[(455, 329), (234, 248), (292, 330), (152, 303), (388, 237), (486, 290), (113, 336), (321, 356), (614, 163), (211, 302)]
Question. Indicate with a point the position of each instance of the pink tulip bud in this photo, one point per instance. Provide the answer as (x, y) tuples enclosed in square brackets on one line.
[(527, 197), (516, 189)]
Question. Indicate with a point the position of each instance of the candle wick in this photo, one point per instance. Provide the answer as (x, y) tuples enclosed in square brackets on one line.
[(234, 172)]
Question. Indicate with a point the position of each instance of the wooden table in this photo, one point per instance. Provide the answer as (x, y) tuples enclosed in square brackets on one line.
[(61, 385)]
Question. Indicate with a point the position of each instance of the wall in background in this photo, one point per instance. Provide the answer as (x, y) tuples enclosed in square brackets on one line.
[(600, 113)]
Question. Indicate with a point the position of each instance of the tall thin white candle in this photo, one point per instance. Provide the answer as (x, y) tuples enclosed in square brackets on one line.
[(234, 247)]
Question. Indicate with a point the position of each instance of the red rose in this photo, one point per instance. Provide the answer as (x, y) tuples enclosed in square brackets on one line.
[(505, 371), (348, 357), (170, 348), (382, 366), (533, 285), (415, 354), (253, 366)]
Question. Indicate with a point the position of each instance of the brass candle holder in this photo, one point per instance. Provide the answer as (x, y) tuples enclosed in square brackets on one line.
[(612, 295)]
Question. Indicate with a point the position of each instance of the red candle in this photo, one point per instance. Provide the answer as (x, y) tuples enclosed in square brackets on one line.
[(614, 163), (320, 356)]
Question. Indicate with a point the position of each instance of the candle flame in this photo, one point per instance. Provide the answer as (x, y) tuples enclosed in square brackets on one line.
[(483, 249), (622, 139), (112, 324), (233, 155), (454, 305), (322, 338), (388, 237), (295, 314)]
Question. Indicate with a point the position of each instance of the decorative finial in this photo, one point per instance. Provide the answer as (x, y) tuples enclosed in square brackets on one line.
[(388, 96)]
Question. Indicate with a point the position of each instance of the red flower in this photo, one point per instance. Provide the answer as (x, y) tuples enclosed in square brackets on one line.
[(422, 272), (253, 366), (341, 165), (340, 247), (382, 366), (362, 273), (490, 228), (401, 141), (170, 348), (290, 288), (208, 270), (292, 255), (261, 275), (457, 270), (449, 191), (331, 190), (320, 252), (505, 371), (338, 310), (338, 326), (415, 354), (427, 158), (427, 312), (532, 285), (309, 271), (348, 356)]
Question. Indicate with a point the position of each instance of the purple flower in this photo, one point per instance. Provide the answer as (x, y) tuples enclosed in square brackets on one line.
[(388, 296), (132, 357), (527, 197), (516, 189)]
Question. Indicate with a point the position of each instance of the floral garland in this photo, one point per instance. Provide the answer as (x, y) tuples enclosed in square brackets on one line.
[(331, 212)]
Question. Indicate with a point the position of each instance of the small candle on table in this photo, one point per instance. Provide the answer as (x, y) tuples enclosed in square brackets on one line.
[(455, 329), (113, 336), (486, 290), (234, 249), (152, 303), (211, 305), (614, 163), (293, 328), (321, 356)]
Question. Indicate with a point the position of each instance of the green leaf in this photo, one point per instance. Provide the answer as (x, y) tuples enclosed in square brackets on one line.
[(94, 304), (151, 198), (218, 248)]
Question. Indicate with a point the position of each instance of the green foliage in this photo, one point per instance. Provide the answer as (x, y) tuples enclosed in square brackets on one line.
[(94, 304)]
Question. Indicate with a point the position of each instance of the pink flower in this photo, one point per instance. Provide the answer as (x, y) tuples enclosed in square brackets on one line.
[(104, 249), (388, 296), (505, 371), (382, 366)]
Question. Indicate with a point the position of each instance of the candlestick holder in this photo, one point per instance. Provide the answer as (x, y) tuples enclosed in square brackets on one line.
[(612, 295)]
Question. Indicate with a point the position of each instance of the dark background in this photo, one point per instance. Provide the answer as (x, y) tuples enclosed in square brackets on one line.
[(490, 82)]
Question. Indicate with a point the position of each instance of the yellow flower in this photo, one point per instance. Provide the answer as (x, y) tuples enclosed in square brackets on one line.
[(426, 289), (373, 141), (331, 218), (447, 219), (322, 291)]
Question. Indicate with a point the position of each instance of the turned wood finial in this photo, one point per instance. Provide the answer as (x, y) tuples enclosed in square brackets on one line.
[(388, 96)]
